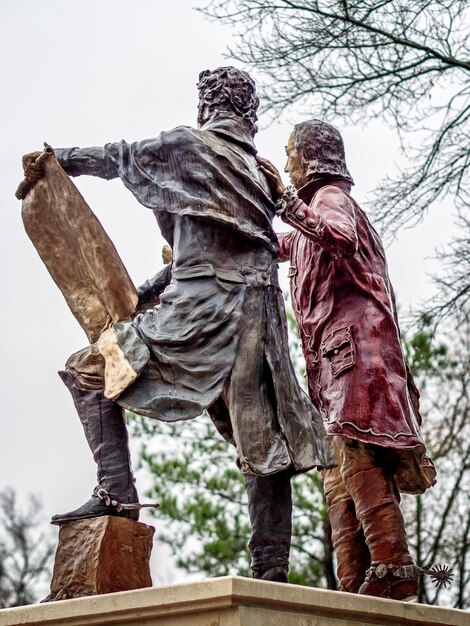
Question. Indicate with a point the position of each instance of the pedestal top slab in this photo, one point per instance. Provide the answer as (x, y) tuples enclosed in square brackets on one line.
[(233, 601)]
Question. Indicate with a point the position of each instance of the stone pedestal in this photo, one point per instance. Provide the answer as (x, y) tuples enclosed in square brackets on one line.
[(232, 601), (101, 555)]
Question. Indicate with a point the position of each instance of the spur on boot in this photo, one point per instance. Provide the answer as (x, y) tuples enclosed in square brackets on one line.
[(100, 503), (397, 582)]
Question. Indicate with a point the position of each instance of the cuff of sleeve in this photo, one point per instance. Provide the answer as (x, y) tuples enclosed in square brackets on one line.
[(64, 157), (297, 216), (289, 196)]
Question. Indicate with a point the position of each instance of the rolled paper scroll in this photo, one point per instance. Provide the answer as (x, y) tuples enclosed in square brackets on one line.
[(77, 252)]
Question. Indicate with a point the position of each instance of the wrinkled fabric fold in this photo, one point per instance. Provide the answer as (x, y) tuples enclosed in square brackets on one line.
[(345, 310)]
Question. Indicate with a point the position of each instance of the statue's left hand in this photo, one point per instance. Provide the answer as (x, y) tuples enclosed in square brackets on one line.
[(167, 254), (275, 183), (32, 166), (29, 159), (33, 171)]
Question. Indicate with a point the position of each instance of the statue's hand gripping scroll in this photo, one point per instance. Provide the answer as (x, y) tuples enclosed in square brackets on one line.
[(73, 245)]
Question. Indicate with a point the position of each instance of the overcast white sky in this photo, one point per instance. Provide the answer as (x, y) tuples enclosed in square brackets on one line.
[(85, 73)]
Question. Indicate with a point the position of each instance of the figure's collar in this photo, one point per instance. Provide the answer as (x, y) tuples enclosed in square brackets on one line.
[(307, 192), (232, 129)]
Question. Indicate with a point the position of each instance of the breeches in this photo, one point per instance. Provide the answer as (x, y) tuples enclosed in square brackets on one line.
[(353, 456)]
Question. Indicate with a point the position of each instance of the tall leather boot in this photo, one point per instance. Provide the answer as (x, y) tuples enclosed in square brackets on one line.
[(106, 434), (352, 553), (270, 510), (392, 573)]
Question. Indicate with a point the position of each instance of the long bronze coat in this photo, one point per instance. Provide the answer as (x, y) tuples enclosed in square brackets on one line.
[(218, 338), (345, 310)]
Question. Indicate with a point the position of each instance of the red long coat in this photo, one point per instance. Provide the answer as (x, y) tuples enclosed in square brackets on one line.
[(345, 310)]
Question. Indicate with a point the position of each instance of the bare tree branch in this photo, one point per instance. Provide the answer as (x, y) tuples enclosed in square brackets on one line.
[(407, 63)]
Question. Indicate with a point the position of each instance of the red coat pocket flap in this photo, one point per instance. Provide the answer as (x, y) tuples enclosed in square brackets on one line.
[(338, 348), (336, 340)]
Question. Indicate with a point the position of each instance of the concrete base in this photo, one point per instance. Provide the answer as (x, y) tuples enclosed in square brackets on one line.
[(232, 601)]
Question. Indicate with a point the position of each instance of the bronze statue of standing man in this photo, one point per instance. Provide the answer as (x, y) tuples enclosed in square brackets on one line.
[(216, 338)]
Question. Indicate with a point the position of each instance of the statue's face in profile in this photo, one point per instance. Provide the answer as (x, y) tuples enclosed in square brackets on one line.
[(293, 165)]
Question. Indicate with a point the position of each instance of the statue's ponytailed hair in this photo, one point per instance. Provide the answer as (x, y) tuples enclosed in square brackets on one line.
[(227, 90), (321, 149)]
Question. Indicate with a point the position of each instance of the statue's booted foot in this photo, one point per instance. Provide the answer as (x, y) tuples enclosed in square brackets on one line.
[(106, 433), (275, 574), (401, 582), (270, 508), (100, 504), (397, 582)]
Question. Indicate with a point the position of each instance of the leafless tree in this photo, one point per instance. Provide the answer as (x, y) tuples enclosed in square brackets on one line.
[(439, 520), (406, 62), (454, 280), (25, 552)]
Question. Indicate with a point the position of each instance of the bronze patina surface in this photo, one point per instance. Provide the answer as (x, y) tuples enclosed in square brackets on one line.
[(210, 332)]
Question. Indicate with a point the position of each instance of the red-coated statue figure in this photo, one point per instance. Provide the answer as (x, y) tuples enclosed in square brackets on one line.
[(357, 375)]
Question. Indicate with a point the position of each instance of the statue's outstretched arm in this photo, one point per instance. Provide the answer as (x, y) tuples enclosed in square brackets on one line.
[(95, 161)]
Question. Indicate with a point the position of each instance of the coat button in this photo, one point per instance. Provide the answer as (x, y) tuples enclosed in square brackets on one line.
[(242, 271), (336, 351), (265, 275), (310, 223), (300, 215)]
